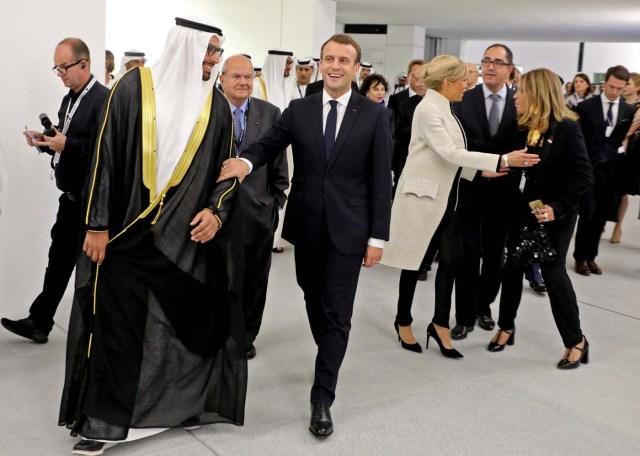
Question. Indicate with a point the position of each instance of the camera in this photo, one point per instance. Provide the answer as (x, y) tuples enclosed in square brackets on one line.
[(48, 126)]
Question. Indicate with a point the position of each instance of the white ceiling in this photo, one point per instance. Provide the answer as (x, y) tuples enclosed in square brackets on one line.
[(527, 20)]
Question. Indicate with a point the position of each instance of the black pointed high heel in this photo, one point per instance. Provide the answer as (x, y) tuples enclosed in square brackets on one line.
[(411, 347), (447, 352), (565, 364), (496, 347)]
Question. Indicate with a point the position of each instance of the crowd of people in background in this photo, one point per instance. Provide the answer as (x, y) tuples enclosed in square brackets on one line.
[(352, 168)]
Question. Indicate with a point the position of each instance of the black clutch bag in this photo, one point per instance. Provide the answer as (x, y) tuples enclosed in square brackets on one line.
[(533, 247)]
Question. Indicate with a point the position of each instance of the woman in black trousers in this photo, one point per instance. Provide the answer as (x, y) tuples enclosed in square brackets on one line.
[(564, 173)]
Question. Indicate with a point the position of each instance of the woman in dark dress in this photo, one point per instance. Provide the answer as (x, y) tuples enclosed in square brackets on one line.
[(547, 127)]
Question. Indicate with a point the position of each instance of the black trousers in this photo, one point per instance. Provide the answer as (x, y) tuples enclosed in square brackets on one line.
[(495, 227), (564, 305), (257, 264), (65, 246), (447, 239), (467, 282), (329, 280), (594, 209)]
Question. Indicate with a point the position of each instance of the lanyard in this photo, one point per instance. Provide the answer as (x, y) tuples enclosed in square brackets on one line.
[(300, 91), (69, 115)]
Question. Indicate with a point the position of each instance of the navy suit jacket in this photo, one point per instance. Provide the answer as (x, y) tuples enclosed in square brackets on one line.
[(350, 194), (602, 149)]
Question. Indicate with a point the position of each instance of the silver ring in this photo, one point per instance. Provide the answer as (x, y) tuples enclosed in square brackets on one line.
[(526, 163)]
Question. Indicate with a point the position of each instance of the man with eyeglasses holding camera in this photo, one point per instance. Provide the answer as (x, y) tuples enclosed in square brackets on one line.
[(70, 147), (487, 113)]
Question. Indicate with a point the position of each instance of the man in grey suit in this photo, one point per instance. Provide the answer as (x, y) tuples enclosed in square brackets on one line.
[(260, 195)]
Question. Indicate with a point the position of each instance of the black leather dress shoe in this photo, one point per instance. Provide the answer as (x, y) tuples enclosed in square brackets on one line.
[(26, 328), (321, 423), (582, 268), (460, 332), (538, 287), (486, 322), (594, 268), (91, 447), (251, 350)]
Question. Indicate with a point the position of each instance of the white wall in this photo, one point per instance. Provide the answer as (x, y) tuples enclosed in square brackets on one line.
[(29, 34), (562, 57), (250, 26)]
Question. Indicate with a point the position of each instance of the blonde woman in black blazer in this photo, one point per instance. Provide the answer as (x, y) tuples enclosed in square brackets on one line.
[(548, 128)]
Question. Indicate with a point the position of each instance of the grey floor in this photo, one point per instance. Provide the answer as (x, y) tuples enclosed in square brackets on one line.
[(391, 401)]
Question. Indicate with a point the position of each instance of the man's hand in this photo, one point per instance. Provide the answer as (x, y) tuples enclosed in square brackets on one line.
[(492, 174), (233, 167), (56, 142), (95, 245), (206, 226), (372, 256), (39, 137)]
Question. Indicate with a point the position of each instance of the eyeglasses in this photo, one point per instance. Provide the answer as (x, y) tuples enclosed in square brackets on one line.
[(62, 70), (496, 63), (212, 50)]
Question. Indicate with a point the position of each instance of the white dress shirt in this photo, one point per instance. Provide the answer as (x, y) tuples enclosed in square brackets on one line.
[(614, 109), (488, 102)]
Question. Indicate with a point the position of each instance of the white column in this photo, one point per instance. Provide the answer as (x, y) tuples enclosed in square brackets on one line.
[(404, 43)]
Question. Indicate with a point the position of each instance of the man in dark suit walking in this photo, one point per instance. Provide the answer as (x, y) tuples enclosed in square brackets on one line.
[(339, 206), (488, 115), (260, 195), (415, 87), (605, 120), (404, 118)]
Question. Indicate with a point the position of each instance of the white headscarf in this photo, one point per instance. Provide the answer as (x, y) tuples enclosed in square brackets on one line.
[(180, 94), (126, 59), (278, 87), (305, 61)]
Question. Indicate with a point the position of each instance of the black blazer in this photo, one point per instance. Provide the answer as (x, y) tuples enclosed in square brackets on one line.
[(602, 149), (472, 113), (350, 194), (403, 131), (564, 172), (396, 100), (317, 86), (262, 192)]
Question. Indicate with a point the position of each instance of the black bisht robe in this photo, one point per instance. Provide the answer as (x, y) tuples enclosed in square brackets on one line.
[(156, 336)]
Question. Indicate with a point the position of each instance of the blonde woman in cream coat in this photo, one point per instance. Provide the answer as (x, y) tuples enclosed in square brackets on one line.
[(425, 203)]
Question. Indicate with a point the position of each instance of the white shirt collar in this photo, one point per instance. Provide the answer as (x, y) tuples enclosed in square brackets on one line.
[(343, 100), (502, 92), (606, 100)]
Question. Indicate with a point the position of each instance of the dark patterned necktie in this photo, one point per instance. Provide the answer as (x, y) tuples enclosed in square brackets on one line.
[(237, 129)]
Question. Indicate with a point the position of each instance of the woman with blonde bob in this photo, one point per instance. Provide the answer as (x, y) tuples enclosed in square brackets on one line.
[(424, 206), (548, 128)]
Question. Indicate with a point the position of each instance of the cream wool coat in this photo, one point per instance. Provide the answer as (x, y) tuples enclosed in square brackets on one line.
[(436, 151)]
